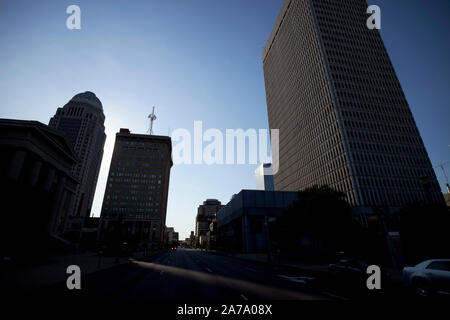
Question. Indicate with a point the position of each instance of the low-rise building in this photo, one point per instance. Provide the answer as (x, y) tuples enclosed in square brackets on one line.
[(242, 223), (171, 235)]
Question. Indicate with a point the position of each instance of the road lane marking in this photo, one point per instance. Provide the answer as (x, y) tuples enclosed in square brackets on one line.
[(332, 295), (162, 272), (251, 269), (244, 297), (259, 290), (209, 270), (303, 280)]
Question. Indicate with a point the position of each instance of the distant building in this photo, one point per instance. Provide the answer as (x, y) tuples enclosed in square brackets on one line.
[(242, 223), (205, 214), (192, 237), (36, 185), (135, 201), (169, 232), (171, 235), (211, 235), (81, 121), (264, 177)]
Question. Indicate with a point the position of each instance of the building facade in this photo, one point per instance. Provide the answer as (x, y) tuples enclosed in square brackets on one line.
[(36, 185), (205, 214), (135, 201), (343, 118), (171, 235), (192, 238), (81, 121), (264, 177)]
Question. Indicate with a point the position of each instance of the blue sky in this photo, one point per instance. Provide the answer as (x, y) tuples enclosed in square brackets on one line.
[(194, 60)]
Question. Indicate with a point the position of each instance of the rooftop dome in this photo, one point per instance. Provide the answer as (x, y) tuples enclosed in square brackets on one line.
[(89, 98)]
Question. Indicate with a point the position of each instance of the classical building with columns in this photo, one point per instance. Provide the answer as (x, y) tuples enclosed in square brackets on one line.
[(37, 188), (81, 121)]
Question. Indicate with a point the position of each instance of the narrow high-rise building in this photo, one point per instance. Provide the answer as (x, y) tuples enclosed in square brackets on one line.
[(264, 177), (343, 118), (206, 212), (135, 201), (81, 121)]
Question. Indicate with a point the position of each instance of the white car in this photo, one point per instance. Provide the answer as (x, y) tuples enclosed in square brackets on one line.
[(428, 277)]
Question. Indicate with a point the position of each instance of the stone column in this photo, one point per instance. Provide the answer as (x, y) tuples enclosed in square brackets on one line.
[(48, 180), (16, 165), (57, 204), (34, 173)]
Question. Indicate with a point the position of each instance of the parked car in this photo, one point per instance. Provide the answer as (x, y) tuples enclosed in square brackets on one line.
[(428, 277), (348, 266), (353, 272)]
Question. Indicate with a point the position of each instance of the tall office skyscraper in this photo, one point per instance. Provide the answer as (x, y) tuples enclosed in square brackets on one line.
[(135, 201), (344, 121), (81, 121)]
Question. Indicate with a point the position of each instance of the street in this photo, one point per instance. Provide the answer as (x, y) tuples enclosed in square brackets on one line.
[(195, 276)]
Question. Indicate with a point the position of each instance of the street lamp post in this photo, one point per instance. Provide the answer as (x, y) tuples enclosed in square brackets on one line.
[(153, 238), (266, 230)]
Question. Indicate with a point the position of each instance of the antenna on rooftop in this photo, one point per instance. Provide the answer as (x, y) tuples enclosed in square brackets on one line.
[(152, 118)]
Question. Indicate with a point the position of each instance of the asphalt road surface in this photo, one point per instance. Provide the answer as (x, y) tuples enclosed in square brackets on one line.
[(196, 276)]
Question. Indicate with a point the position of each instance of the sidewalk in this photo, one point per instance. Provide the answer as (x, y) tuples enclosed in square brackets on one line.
[(25, 280)]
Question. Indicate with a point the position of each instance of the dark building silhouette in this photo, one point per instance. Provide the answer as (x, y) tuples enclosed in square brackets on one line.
[(135, 201), (172, 237), (37, 187), (82, 120), (205, 215), (343, 117), (211, 235), (242, 223)]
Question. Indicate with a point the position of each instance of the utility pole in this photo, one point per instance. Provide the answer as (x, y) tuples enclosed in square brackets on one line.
[(152, 118)]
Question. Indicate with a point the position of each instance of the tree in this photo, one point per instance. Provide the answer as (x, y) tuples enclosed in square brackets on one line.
[(321, 217)]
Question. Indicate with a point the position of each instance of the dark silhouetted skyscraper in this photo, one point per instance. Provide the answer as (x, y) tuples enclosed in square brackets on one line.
[(135, 201), (81, 121)]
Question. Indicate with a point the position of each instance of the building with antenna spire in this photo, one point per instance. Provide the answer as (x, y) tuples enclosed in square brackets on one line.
[(135, 202), (152, 118)]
